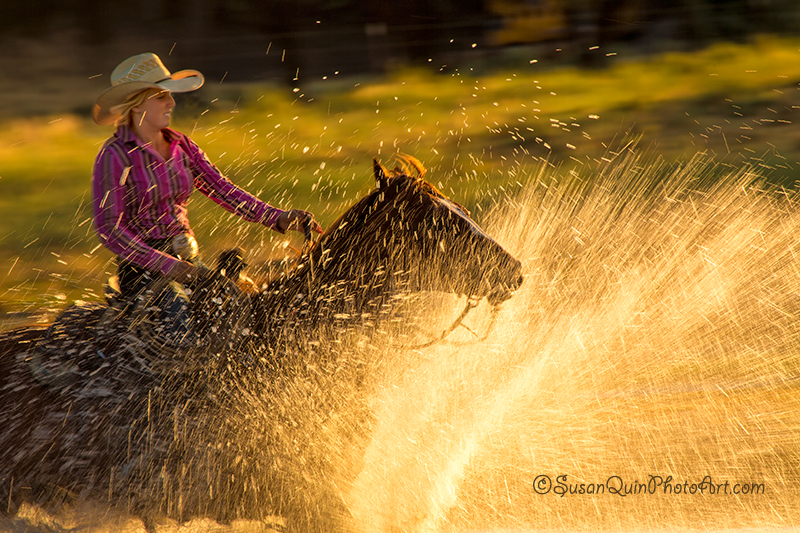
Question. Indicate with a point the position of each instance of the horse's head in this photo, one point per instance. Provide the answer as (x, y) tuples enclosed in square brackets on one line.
[(409, 234), (454, 254)]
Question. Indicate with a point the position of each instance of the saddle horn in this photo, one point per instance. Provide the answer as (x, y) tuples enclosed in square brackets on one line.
[(380, 173)]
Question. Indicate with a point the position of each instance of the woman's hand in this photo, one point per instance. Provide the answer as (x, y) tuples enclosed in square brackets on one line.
[(184, 272), (297, 219)]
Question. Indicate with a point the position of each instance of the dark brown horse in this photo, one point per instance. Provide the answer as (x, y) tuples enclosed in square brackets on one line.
[(403, 237), (219, 432)]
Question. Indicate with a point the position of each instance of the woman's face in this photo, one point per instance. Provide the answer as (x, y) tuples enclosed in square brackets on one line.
[(156, 110)]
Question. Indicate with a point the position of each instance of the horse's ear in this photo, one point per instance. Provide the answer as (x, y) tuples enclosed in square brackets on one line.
[(380, 173)]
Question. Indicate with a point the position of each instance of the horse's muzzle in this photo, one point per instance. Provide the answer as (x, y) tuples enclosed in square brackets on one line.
[(509, 280)]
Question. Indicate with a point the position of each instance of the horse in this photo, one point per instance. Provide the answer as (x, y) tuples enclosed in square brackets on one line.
[(402, 237), (210, 432)]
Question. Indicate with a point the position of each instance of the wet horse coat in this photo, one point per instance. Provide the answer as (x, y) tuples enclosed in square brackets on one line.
[(211, 432)]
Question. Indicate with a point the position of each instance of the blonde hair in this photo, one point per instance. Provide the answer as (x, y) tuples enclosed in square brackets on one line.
[(125, 109)]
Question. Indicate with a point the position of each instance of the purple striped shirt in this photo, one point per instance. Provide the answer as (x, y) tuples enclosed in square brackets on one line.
[(138, 196)]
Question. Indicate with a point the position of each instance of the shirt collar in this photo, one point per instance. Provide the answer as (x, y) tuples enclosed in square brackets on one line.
[(126, 135)]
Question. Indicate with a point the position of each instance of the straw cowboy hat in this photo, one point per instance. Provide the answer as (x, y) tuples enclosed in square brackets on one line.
[(135, 74)]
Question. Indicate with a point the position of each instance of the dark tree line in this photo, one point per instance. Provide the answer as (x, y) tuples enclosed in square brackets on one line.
[(274, 38)]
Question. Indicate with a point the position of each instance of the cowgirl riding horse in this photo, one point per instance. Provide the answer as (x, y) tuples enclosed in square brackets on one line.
[(143, 177), (223, 437), (240, 433)]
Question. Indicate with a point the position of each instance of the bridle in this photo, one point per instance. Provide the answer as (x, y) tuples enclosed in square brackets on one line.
[(494, 299), (472, 303)]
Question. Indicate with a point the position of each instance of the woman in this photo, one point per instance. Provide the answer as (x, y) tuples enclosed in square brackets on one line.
[(145, 172)]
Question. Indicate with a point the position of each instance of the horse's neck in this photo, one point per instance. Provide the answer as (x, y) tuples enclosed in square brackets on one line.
[(317, 295), (355, 270), (332, 289)]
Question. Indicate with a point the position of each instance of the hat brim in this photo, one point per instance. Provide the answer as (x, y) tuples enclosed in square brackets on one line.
[(183, 81)]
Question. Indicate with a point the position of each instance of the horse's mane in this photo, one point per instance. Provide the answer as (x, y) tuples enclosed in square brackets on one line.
[(407, 175)]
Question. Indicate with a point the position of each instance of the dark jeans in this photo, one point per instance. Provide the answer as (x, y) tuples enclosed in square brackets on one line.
[(133, 279), (172, 304)]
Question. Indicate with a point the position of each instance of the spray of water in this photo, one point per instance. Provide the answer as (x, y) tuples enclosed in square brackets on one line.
[(644, 377)]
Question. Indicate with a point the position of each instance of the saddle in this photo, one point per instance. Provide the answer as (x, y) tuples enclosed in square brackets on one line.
[(68, 348), (89, 336)]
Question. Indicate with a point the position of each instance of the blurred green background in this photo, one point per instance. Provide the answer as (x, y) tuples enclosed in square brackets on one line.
[(301, 95)]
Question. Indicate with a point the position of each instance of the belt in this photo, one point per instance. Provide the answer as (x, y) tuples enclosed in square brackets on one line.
[(183, 246)]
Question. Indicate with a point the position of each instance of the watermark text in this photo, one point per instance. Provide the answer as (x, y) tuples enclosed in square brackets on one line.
[(652, 485)]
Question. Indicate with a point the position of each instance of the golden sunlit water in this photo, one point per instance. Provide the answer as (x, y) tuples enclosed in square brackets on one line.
[(644, 377)]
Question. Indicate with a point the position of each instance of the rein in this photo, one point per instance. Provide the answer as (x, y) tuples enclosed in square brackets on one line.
[(472, 303)]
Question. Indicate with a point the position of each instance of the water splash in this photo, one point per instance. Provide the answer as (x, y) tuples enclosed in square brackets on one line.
[(650, 357), (654, 343)]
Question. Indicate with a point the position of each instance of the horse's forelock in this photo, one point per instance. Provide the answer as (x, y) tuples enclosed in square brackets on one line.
[(406, 165), (416, 178), (407, 177)]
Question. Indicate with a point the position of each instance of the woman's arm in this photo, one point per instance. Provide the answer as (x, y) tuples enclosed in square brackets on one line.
[(212, 183)]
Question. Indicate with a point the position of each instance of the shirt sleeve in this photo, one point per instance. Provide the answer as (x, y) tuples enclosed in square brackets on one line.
[(112, 219), (212, 183)]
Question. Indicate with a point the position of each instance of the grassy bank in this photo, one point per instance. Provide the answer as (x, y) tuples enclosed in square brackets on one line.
[(475, 129)]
